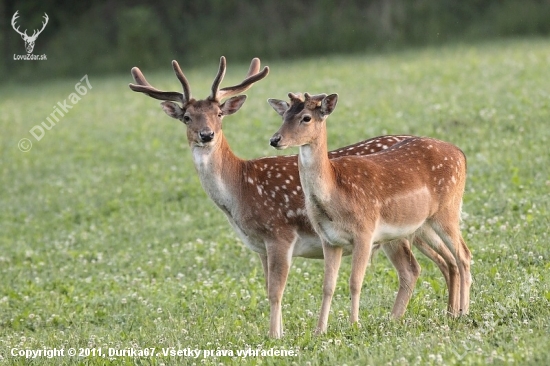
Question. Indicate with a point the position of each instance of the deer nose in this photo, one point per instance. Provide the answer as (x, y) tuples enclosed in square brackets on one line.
[(274, 141), (206, 136)]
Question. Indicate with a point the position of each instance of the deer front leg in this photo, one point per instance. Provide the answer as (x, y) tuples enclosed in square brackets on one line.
[(263, 258), (278, 265), (362, 245), (408, 270), (333, 257)]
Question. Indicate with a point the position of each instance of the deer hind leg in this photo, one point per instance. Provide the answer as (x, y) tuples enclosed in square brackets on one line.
[(332, 256), (408, 270), (439, 259), (466, 278), (431, 237), (360, 259), (447, 227)]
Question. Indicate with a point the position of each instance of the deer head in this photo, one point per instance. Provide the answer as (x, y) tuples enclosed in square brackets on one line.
[(305, 114), (203, 118), (29, 40)]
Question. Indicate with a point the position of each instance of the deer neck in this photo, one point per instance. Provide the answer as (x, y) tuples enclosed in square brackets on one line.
[(316, 171), (219, 171)]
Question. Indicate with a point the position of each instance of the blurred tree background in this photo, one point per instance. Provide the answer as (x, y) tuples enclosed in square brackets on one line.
[(107, 36)]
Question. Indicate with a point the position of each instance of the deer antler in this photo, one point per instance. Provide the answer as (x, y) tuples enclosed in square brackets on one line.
[(143, 86), (315, 100), (254, 67), (251, 77), (314, 96), (182, 79), (13, 19), (218, 79), (296, 97)]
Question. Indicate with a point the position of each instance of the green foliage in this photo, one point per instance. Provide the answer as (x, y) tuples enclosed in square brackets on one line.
[(137, 47), (106, 36), (517, 18), (108, 240)]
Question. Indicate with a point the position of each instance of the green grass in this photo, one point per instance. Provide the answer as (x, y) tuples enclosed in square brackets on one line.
[(107, 239)]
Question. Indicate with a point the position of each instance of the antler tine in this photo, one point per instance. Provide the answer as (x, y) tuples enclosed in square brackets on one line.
[(138, 76), (143, 86), (315, 99), (314, 96), (251, 77), (182, 79), (218, 79), (254, 67), (296, 97)]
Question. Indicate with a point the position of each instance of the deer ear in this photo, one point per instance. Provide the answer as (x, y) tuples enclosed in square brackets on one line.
[(232, 105), (280, 106), (172, 109), (329, 104)]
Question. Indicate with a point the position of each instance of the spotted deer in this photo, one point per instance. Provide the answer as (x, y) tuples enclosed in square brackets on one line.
[(412, 189), (263, 198)]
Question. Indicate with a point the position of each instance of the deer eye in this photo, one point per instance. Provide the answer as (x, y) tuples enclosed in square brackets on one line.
[(186, 119), (306, 119), (220, 114)]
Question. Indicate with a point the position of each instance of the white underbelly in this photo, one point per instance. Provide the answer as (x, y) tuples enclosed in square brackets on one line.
[(308, 246), (385, 232), (333, 234)]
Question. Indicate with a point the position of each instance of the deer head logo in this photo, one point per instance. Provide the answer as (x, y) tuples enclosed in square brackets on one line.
[(29, 40)]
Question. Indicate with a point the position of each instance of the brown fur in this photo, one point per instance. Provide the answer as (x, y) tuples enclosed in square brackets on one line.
[(412, 188), (263, 198)]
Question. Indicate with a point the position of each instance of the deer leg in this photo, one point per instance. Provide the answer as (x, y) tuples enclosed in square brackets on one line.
[(449, 233), (432, 238), (278, 265), (453, 239), (265, 266), (333, 257), (408, 270), (360, 258), (263, 258), (440, 257), (465, 276)]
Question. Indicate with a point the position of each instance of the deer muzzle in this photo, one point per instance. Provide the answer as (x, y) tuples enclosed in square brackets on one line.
[(206, 135), (275, 140)]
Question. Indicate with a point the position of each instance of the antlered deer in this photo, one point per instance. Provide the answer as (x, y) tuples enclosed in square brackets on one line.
[(263, 198), (412, 188)]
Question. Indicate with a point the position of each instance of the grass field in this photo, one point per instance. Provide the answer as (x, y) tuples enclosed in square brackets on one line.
[(107, 239)]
